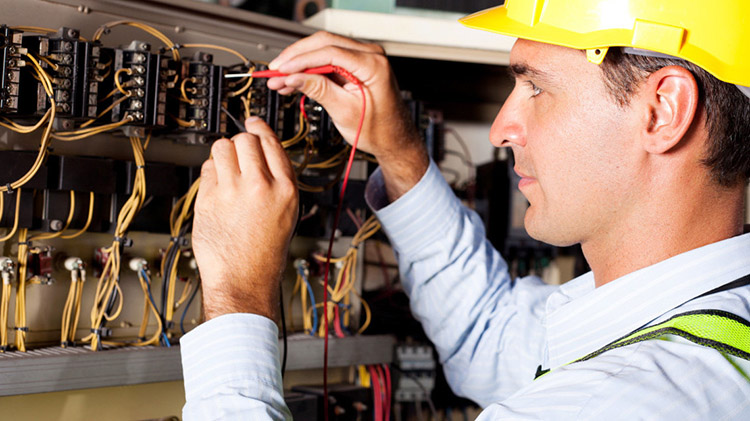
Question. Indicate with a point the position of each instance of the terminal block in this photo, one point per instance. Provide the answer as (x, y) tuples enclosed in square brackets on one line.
[(71, 65), (199, 118), (10, 68), (264, 102), (73, 76), (323, 133), (146, 78), (32, 98)]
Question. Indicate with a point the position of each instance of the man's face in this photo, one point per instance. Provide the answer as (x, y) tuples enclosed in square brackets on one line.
[(574, 147)]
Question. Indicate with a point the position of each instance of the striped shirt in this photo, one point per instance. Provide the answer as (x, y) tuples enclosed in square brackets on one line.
[(492, 332)]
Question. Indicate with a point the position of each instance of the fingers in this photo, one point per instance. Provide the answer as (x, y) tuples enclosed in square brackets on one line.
[(276, 158), (258, 127), (321, 89), (352, 60), (250, 155), (225, 160), (317, 41)]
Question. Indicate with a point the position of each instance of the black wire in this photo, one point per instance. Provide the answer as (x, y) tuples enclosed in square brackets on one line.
[(187, 306), (283, 330)]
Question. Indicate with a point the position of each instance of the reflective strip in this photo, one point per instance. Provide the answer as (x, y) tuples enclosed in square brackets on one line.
[(717, 329)]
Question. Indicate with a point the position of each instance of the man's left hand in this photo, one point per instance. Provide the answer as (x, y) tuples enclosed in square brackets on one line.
[(245, 213)]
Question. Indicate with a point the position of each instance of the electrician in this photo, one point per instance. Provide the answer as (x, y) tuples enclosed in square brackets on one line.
[(630, 127)]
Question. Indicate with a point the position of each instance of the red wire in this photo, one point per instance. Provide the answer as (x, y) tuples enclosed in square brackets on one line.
[(345, 181), (383, 397), (376, 394), (337, 323), (388, 395), (302, 106), (351, 78)]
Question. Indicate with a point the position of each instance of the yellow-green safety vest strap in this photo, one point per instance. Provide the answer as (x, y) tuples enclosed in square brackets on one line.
[(717, 329)]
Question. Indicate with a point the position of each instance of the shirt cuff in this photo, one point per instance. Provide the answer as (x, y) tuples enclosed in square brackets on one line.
[(418, 217), (230, 349)]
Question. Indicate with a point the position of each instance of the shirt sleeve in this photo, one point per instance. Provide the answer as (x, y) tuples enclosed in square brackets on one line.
[(487, 328), (231, 369)]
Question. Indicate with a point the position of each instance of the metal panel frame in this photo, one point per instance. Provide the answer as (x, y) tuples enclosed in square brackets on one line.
[(55, 369)]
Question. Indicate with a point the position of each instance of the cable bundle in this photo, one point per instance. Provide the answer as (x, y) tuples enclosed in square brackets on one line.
[(72, 309), (108, 287), (180, 221), (378, 377)]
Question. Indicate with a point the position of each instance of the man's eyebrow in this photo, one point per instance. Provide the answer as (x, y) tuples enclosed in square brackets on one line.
[(522, 69)]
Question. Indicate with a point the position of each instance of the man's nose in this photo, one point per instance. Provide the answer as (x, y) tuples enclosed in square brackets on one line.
[(509, 127)]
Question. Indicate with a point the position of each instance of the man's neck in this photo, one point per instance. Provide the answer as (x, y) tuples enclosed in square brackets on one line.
[(661, 232)]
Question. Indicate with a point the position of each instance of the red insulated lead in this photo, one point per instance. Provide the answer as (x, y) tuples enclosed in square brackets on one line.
[(323, 70)]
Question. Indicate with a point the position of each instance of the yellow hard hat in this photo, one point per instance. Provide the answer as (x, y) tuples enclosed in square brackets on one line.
[(714, 35)]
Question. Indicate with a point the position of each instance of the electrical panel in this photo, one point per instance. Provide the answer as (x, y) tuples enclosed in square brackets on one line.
[(105, 139), (70, 89)]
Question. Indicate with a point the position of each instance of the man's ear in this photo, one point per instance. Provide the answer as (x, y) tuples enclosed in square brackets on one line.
[(670, 98)]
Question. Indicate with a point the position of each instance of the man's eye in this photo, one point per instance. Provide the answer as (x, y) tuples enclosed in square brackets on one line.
[(535, 89)]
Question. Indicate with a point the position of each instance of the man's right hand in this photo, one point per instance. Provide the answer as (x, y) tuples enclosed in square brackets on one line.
[(388, 132)]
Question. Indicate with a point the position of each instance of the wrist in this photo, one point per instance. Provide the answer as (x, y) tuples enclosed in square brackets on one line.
[(404, 169), (219, 302)]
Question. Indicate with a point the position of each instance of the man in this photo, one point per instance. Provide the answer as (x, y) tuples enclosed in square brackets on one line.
[(642, 160)]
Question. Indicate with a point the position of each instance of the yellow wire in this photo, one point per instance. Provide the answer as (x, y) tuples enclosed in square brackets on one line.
[(20, 320), (71, 212), (4, 313), (77, 306), (157, 333), (105, 111), (117, 80), (368, 314), (186, 290), (148, 141), (11, 125), (246, 104), (304, 130), (88, 220), (182, 90), (108, 282), (244, 59), (110, 94), (68, 308), (92, 131), (182, 123), (346, 277), (177, 220), (15, 223), (244, 89), (331, 162), (144, 27), (46, 135), (48, 61)]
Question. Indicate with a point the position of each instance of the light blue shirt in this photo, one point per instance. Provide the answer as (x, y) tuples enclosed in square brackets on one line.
[(492, 332)]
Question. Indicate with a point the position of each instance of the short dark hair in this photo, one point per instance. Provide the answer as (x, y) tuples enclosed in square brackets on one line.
[(727, 110)]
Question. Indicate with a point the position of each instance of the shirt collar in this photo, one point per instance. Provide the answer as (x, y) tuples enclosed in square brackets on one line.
[(581, 318)]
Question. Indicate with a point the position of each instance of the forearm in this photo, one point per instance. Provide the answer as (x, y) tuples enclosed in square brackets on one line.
[(481, 323)]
